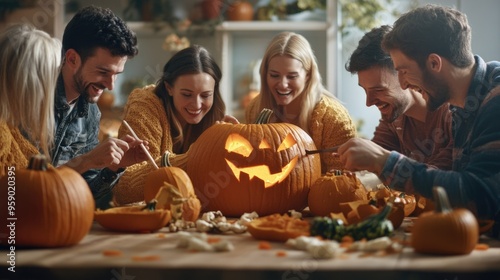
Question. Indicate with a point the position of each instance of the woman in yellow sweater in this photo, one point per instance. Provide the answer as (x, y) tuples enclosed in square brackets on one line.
[(291, 86), (171, 115), (30, 61)]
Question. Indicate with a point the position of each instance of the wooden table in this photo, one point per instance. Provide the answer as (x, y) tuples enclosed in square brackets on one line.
[(87, 261)]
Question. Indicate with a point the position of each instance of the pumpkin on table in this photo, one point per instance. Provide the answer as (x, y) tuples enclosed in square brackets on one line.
[(262, 167), (445, 231), (179, 179), (331, 190), (53, 207)]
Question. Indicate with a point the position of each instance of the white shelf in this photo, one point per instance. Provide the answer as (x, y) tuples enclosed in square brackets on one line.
[(272, 26), (149, 28)]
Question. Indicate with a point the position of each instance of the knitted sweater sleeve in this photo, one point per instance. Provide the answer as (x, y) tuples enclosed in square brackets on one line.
[(15, 150), (252, 110), (330, 125), (146, 115)]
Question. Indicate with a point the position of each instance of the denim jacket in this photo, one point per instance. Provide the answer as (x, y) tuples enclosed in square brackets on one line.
[(77, 134)]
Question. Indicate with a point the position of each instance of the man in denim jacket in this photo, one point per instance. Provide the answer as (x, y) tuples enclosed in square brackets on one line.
[(96, 46), (431, 50)]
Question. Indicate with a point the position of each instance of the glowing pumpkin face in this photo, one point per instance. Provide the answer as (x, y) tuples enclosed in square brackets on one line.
[(238, 144), (253, 167)]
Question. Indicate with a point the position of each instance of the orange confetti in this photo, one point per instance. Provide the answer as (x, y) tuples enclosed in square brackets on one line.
[(482, 247), (112, 253), (347, 239), (212, 240), (263, 245), (145, 258), (281, 254)]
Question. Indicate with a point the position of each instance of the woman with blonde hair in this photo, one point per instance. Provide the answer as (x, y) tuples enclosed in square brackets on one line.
[(29, 67), (291, 86)]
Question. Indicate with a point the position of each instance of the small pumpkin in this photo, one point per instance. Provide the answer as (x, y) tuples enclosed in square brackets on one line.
[(240, 11), (331, 190), (53, 207), (261, 167), (445, 231), (180, 180)]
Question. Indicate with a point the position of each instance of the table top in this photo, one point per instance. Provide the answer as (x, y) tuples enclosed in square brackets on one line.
[(156, 256)]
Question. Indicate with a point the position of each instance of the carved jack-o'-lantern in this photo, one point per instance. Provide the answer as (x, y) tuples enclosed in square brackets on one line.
[(253, 167)]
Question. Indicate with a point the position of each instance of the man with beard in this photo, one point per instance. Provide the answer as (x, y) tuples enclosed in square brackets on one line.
[(431, 50), (96, 46), (406, 125)]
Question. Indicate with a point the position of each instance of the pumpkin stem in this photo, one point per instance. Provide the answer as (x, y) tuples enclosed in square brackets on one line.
[(441, 199), (264, 116), (38, 162), (385, 211)]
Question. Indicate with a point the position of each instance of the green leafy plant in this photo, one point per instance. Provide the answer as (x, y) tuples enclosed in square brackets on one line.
[(365, 14), (280, 8)]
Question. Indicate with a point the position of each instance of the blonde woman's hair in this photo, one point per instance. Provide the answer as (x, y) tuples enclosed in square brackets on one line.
[(295, 46), (29, 67)]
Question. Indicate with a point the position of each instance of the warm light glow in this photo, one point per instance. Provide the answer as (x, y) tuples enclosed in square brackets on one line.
[(287, 143), (262, 172), (237, 144), (264, 144)]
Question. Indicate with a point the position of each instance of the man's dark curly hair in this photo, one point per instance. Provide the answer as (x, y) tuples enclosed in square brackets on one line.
[(369, 52), (95, 27)]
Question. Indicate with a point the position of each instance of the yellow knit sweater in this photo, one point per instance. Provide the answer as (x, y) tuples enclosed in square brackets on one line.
[(15, 150), (146, 115), (330, 125)]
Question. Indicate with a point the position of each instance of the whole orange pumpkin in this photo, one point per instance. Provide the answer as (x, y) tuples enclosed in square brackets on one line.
[(240, 11), (238, 168), (331, 190), (445, 231), (47, 207), (179, 179)]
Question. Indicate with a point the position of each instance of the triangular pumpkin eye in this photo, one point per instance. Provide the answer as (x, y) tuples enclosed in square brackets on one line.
[(236, 143), (264, 144), (287, 143)]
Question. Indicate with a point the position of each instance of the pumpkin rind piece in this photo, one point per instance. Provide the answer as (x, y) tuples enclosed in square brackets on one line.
[(278, 227), (133, 219)]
